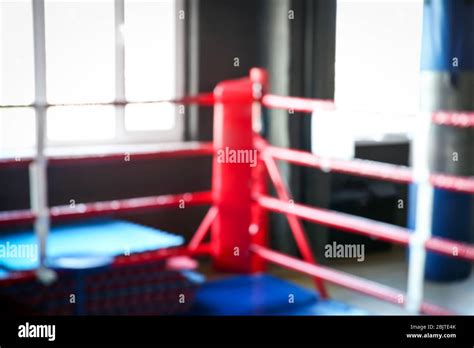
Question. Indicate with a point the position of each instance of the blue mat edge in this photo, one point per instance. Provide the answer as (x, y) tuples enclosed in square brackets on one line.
[(8, 265), (316, 306)]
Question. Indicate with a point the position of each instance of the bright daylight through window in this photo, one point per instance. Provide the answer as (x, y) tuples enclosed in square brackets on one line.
[(84, 41)]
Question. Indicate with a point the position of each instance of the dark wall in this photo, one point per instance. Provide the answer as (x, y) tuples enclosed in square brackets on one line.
[(298, 47), (99, 182), (223, 30), (14, 189)]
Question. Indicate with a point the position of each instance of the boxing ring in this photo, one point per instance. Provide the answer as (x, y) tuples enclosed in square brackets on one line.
[(236, 224)]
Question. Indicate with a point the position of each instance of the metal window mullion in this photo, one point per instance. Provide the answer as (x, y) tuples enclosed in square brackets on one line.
[(38, 168), (119, 9)]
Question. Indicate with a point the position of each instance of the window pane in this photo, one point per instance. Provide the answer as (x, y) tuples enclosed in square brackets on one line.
[(80, 50), (16, 52), (377, 54), (150, 63), (149, 49), (141, 117), (17, 130), (72, 124)]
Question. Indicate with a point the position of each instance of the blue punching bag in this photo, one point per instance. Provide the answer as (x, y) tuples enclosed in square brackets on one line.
[(447, 83)]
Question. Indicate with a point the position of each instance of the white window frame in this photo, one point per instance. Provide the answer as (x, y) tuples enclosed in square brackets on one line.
[(123, 136)]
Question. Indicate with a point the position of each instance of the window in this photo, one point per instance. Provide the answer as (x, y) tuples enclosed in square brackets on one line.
[(95, 51), (16, 75), (147, 66), (378, 45)]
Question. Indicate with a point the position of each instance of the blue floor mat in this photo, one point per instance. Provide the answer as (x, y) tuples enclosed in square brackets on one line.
[(99, 237), (263, 295)]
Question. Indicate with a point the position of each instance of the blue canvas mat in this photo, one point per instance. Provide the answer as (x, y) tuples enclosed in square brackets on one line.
[(263, 295), (106, 238)]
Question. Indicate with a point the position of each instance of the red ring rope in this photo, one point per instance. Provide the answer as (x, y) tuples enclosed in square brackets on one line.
[(454, 119)]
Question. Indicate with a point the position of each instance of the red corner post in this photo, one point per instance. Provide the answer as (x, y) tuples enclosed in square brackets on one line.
[(233, 162)]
